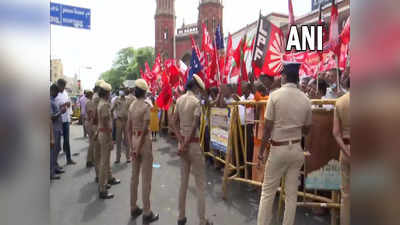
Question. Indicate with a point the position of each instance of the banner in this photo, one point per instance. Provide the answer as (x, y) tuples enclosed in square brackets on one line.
[(327, 178), (268, 49), (219, 128)]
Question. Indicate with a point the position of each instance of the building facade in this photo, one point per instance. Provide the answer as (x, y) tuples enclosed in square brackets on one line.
[(178, 45), (56, 70)]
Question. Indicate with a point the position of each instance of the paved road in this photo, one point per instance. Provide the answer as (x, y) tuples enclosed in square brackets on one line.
[(74, 198)]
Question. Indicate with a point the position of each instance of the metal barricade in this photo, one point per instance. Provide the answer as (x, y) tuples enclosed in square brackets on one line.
[(233, 167)]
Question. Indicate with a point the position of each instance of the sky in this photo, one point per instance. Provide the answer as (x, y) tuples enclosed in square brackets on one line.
[(118, 24)]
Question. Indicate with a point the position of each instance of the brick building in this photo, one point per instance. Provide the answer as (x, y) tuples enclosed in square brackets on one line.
[(178, 45)]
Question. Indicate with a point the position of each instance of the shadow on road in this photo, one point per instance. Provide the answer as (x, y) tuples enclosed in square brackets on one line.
[(87, 192), (81, 172), (93, 209)]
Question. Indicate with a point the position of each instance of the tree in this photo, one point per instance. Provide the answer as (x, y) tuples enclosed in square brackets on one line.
[(127, 65)]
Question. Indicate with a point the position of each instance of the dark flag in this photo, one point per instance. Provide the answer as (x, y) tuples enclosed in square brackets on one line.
[(219, 38), (268, 49), (195, 65)]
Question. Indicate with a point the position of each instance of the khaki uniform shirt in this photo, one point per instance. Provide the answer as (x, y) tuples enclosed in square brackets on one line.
[(188, 108), (121, 108), (342, 111), (129, 99), (96, 100), (290, 110), (139, 112), (104, 114), (90, 109)]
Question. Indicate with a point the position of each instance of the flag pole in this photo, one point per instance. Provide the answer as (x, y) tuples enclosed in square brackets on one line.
[(257, 32), (216, 55), (255, 44), (337, 74)]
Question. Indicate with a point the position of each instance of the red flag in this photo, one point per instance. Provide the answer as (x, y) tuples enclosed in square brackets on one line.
[(273, 63), (222, 69), (334, 41), (165, 98), (229, 56), (206, 43), (147, 72), (344, 50), (345, 35), (237, 53), (173, 71), (194, 45), (244, 76), (239, 89), (291, 14), (268, 50), (156, 70)]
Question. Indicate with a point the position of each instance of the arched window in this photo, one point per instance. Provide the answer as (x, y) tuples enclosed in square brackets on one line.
[(213, 23), (165, 34)]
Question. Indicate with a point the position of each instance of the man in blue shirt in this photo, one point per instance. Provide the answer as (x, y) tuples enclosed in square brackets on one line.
[(55, 113)]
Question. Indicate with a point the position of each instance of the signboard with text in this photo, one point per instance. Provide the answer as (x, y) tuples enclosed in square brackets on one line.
[(326, 178), (219, 128), (315, 3), (69, 16)]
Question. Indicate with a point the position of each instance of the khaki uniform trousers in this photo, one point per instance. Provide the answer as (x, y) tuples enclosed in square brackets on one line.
[(106, 145), (193, 159), (96, 150), (90, 152), (282, 161), (345, 191), (144, 162), (121, 139)]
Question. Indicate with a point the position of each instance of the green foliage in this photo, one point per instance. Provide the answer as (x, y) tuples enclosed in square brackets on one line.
[(127, 65)]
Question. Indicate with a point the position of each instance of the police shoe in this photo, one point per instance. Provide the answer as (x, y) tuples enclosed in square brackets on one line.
[(209, 223), (59, 171), (89, 164), (105, 195), (55, 177), (114, 181), (150, 218), (182, 221), (137, 212), (71, 162)]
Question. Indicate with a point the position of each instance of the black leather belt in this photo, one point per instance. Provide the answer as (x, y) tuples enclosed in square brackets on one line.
[(282, 143)]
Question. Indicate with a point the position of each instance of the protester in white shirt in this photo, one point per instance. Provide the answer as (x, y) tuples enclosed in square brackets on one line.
[(246, 115), (63, 99)]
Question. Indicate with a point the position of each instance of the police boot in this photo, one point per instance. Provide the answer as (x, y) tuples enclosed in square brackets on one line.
[(114, 181), (150, 218), (105, 195), (137, 212), (182, 221)]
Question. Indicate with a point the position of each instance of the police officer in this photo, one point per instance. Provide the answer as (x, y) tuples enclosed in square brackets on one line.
[(140, 140), (94, 124), (287, 119), (341, 132), (105, 141), (121, 109), (130, 97), (90, 110), (187, 112)]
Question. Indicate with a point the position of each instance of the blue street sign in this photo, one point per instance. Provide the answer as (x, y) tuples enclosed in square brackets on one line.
[(69, 16)]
